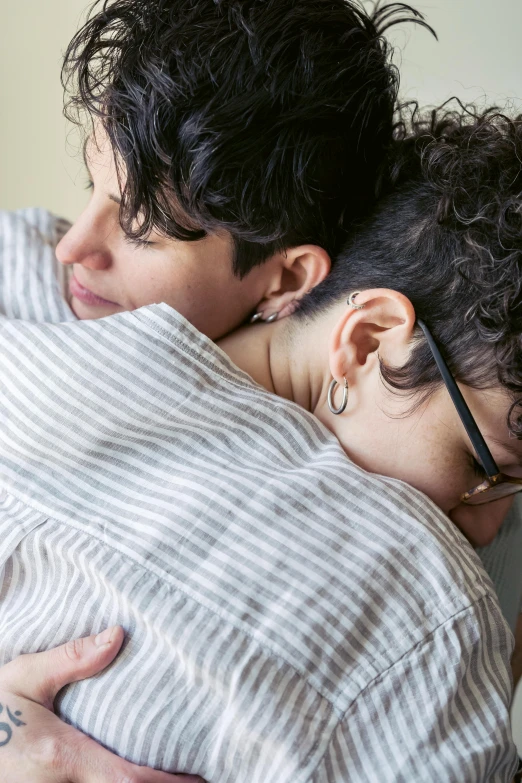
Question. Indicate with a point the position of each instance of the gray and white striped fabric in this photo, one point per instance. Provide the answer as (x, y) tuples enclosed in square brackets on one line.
[(290, 618)]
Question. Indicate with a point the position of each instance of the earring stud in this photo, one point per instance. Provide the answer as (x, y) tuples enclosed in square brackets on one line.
[(259, 317), (350, 301)]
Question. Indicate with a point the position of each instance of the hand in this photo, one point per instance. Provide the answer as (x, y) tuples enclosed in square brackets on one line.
[(35, 745)]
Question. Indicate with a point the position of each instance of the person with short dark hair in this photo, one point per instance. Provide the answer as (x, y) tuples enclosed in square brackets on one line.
[(271, 518), (240, 130), (230, 144)]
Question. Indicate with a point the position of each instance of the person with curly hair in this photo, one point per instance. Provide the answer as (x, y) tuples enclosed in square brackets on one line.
[(230, 147), (271, 518)]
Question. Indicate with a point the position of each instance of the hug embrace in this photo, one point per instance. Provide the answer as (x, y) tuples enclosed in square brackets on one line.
[(259, 407)]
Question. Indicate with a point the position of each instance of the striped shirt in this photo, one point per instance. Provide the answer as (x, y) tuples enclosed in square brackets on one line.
[(289, 617)]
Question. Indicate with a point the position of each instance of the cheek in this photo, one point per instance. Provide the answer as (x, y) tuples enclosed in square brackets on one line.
[(438, 478), (480, 524), (208, 301)]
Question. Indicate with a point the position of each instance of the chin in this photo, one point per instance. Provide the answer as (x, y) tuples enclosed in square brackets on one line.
[(87, 312)]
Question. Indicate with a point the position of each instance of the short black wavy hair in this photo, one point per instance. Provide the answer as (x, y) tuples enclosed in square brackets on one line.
[(266, 118), (448, 235)]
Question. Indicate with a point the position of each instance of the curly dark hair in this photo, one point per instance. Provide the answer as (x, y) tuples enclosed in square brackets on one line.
[(245, 115), (448, 235)]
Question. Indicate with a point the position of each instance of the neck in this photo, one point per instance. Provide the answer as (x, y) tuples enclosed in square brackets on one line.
[(288, 362)]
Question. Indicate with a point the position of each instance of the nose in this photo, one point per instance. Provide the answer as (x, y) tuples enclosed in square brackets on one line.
[(480, 524), (85, 243)]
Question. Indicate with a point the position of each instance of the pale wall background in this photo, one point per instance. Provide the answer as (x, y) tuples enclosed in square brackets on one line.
[(478, 57), (479, 53)]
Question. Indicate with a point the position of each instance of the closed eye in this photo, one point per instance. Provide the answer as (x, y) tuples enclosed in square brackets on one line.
[(137, 241)]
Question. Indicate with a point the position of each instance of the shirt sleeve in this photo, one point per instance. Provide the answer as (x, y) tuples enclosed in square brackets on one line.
[(440, 713)]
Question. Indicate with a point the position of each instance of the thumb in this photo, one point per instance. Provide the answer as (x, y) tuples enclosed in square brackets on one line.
[(39, 676)]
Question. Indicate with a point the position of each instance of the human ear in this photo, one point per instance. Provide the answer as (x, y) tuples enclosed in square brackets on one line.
[(377, 327), (297, 271)]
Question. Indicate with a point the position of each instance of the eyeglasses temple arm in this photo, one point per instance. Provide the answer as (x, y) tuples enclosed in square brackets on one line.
[(475, 436)]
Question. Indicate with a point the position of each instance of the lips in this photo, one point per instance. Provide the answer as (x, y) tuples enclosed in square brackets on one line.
[(86, 296)]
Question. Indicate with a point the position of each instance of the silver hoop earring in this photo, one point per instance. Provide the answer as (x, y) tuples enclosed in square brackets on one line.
[(256, 317), (350, 301), (331, 389), (271, 318)]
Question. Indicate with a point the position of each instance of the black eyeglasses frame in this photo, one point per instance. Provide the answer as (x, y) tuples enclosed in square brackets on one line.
[(476, 495)]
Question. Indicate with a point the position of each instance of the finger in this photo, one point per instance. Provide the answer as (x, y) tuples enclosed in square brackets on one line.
[(39, 676), (88, 762)]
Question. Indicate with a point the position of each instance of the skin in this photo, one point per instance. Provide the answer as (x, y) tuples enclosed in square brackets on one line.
[(196, 278), (35, 745), (427, 448), (294, 359)]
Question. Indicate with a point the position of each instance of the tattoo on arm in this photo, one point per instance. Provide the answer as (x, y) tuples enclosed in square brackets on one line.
[(5, 728)]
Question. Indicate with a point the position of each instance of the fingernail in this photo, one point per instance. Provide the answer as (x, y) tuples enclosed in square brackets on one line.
[(105, 637)]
